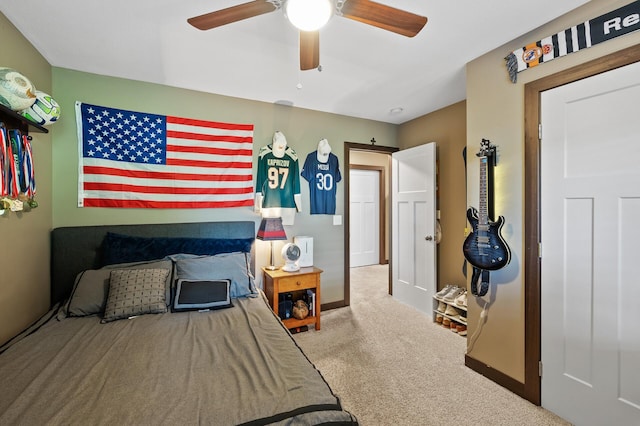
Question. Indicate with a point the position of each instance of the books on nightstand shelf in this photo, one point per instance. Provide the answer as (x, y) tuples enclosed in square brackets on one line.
[(311, 301)]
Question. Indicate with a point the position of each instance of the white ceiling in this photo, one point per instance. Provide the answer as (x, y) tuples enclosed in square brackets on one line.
[(366, 71)]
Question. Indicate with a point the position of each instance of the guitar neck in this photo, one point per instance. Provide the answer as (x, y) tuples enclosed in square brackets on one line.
[(483, 211)]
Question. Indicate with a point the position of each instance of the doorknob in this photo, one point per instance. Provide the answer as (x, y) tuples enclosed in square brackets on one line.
[(429, 238)]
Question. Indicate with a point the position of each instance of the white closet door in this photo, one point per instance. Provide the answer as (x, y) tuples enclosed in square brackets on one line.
[(590, 204)]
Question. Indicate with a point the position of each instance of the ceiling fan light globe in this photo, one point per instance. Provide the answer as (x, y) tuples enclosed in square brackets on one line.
[(308, 15)]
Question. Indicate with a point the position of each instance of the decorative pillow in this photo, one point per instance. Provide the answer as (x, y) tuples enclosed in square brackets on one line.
[(90, 292), (233, 266), (156, 264), (91, 288), (118, 248), (135, 292), (202, 294)]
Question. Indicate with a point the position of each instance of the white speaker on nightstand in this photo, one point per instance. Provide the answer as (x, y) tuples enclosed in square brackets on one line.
[(306, 250)]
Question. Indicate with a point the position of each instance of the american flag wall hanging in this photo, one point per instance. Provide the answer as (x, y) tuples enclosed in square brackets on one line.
[(141, 160), (582, 36)]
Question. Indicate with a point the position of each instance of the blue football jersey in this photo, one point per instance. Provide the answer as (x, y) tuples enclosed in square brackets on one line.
[(323, 179)]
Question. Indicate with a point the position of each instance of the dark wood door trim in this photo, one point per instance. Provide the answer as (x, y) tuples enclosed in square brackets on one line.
[(348, 147), (532, 285)]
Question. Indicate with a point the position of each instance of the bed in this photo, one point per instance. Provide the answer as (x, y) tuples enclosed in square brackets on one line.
[(98, 357)]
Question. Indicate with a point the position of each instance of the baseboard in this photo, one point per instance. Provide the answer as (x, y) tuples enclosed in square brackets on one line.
[(332, 305), (497, 376)]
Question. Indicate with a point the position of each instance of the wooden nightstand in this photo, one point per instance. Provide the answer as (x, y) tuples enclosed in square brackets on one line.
[(278, 282)]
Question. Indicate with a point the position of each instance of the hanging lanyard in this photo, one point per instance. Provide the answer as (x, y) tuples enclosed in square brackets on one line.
[(4, 167), (13, 154), (28, 173), (17, 174)]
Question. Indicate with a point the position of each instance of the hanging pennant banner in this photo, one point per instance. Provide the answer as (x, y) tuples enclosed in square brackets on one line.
[(594, 31)]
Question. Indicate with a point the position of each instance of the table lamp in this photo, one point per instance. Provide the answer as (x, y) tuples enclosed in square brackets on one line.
[(271, 230)]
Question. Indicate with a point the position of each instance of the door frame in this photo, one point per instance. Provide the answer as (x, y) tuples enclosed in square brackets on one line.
[(348, 147), (532, 283), (381, 205)]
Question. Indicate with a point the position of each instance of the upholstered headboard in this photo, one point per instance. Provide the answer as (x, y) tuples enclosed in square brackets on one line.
[(74, 249)]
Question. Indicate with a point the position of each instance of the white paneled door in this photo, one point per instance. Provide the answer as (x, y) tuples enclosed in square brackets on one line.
[(413, 216), (364, 222), (590, 208)]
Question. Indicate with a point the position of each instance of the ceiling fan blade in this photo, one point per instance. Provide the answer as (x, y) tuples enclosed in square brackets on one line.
[(383, 16), (231, 14), (309, 50)]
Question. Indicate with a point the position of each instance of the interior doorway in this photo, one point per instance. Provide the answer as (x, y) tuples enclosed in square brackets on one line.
[(382, 156), (367, 224)]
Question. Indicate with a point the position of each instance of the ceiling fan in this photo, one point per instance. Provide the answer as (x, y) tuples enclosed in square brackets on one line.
[(365, 11)]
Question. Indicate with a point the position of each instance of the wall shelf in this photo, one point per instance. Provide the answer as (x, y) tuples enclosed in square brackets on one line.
[(13, 120)]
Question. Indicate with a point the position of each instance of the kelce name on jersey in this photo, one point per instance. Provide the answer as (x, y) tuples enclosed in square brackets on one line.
[(277, 162), (323, 166)]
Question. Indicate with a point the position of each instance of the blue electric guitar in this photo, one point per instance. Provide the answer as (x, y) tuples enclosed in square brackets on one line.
[(484, 247)]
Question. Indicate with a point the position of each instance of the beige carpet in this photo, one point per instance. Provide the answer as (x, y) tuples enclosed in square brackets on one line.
[(392, 365)]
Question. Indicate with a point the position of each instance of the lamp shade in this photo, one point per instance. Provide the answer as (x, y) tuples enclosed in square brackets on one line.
[(271, 229)]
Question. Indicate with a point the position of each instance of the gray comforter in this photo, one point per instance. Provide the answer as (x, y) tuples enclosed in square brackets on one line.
[(224, 367)]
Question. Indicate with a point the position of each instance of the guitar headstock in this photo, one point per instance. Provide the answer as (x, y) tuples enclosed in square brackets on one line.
[(486, 149)]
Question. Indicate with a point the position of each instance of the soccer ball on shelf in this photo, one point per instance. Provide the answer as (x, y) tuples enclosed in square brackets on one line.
[(44, 111), (16, 91)]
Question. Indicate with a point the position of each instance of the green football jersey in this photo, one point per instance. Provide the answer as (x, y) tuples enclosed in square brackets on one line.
[(278, 179)]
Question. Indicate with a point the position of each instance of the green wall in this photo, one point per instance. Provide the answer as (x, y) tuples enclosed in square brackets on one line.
[(303, 129)]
